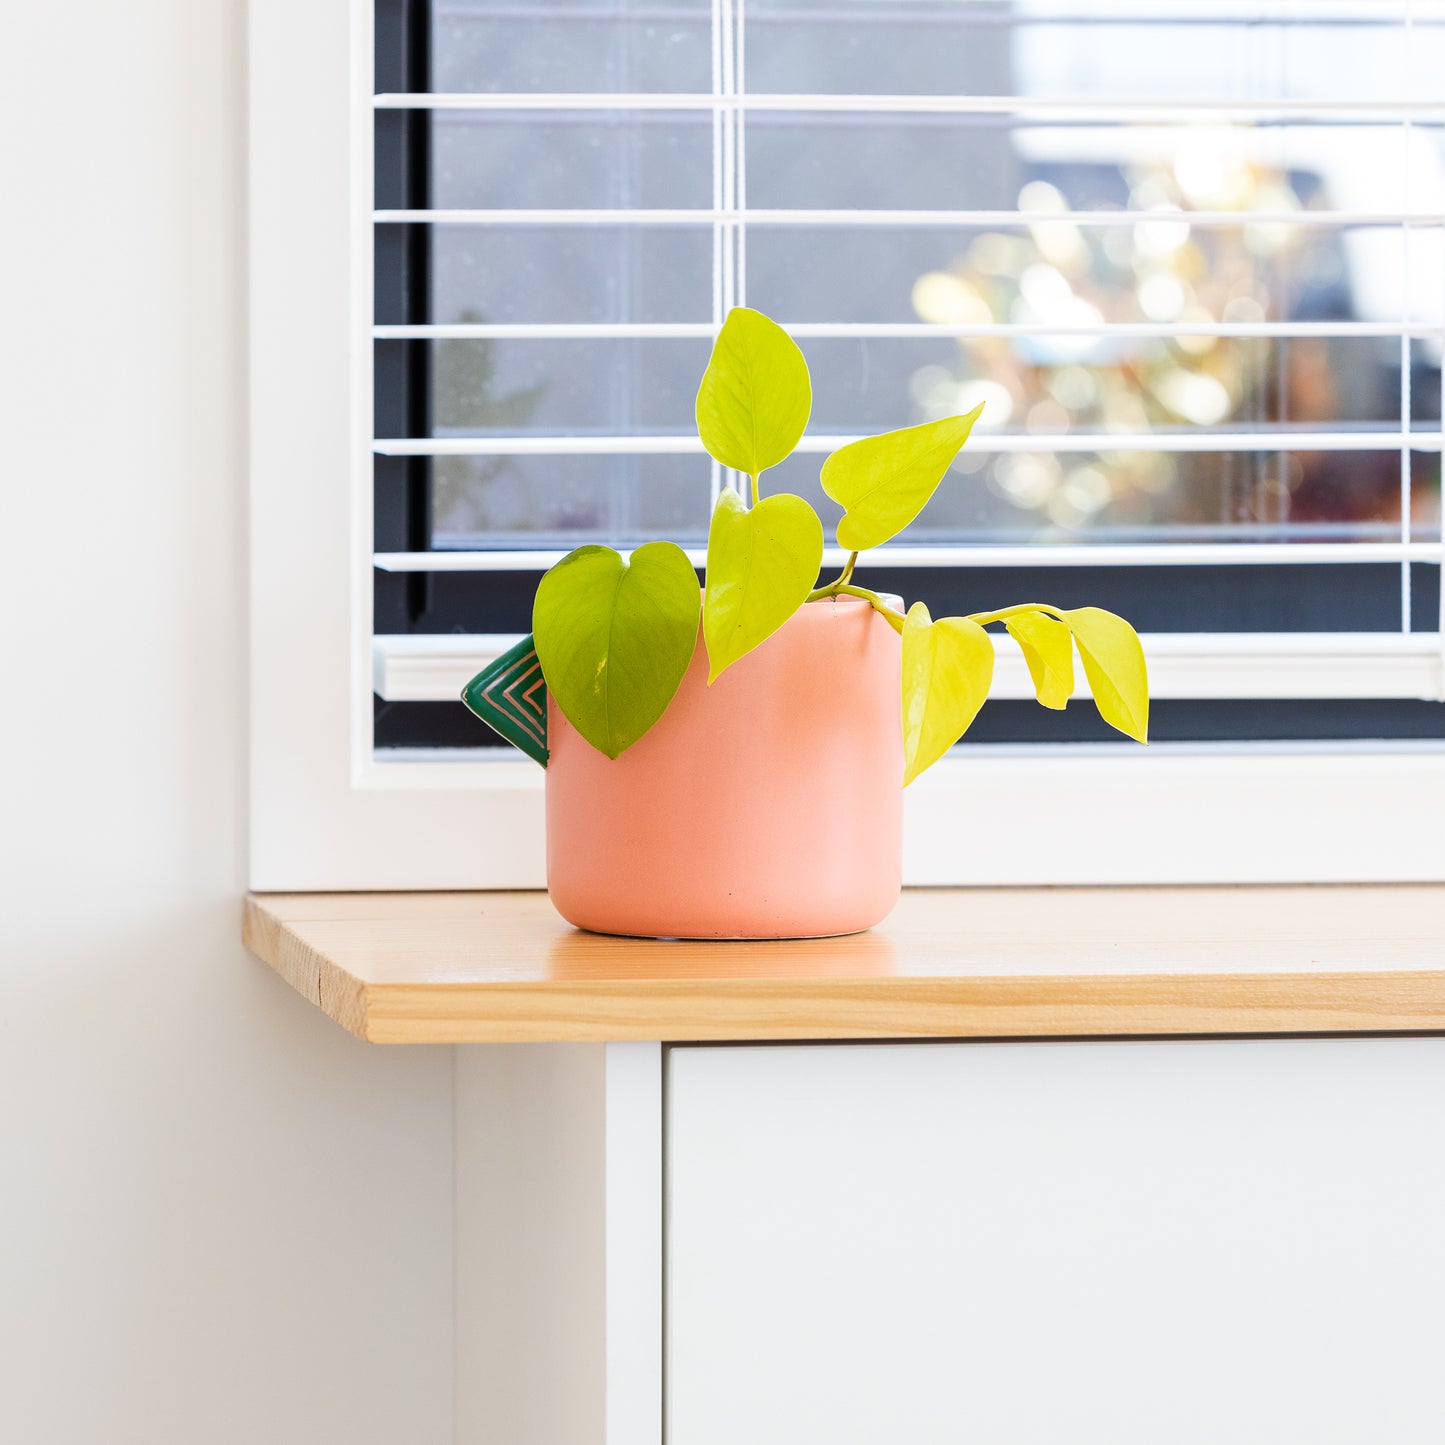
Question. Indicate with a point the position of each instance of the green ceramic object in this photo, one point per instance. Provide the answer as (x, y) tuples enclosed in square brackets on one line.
[(510, 696)]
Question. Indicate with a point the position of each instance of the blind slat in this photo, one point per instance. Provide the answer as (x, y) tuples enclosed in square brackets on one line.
[(1085, 108), (435, 668), (700, 216), (981, 441), (863, 330), (1096, 554)]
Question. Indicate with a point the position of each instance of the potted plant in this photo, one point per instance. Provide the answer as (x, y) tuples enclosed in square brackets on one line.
[(729, 762)]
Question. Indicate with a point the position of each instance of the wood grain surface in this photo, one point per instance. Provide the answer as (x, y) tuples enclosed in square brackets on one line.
[(949, 963)]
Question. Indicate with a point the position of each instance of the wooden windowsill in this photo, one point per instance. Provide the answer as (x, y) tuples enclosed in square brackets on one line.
[(1061, 962)]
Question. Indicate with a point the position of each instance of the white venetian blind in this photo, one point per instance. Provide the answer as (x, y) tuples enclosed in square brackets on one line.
[(1191, 256)]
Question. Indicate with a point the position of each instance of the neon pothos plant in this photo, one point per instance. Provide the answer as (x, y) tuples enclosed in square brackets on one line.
[(614, 638)]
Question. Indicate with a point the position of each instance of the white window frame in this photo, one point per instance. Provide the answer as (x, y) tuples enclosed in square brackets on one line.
[(325, 814)]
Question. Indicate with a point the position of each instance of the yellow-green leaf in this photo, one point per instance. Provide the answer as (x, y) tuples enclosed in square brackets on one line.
[(761, 565), (753, 404), (1048, 649), (614, 638), (1114, 664), (947, 669), (884, 482)]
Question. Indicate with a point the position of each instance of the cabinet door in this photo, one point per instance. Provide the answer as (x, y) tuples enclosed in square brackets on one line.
[(1061, 1243)]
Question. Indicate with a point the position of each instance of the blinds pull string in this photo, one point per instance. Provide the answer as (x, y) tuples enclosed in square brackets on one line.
[(1407, 305), (715, 478)]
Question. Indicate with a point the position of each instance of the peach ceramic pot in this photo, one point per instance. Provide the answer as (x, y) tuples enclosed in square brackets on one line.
[(769, 805)]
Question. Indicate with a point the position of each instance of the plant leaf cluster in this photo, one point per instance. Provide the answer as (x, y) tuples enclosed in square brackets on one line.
[(948, 668), (615, 637)]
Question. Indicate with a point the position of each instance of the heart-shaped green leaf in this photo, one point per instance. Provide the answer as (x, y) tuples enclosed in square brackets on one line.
[(884, 482), (1048, 649), (1114, 664), (755, 396), (947, 669), (614, 638), (761, 565)]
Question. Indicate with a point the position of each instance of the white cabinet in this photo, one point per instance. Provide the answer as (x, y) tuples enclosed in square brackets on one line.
[(1056, 1243), (1069, 1241)]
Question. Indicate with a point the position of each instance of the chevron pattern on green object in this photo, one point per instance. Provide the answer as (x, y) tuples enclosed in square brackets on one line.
[(510, 696)]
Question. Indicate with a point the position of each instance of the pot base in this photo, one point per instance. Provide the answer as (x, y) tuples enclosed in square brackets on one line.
[(718, 937)]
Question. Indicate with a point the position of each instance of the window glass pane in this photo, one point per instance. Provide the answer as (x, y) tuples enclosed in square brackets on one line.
[(1052, 497), (1265, 50), (1059, 385), (543, 502), (576, 45), (493, 160), (565, 388), (1425, 500), (583, 274), (1150, 271), (1424, 382), (1026, 497), (1044, 385), (1425, 53), (835, 160)]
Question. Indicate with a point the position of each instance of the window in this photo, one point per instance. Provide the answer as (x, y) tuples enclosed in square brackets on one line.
[(1190, 255), (1218, 424)]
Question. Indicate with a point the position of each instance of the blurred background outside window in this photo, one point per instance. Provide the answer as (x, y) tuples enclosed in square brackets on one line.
[(1356, 283)]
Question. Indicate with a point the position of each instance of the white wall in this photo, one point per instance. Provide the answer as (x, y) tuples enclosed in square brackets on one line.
[(221, 1219)]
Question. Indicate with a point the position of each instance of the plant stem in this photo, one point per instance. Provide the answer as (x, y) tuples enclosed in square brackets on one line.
[(983, 618), (840, 588), (753, 478), (839, 582)]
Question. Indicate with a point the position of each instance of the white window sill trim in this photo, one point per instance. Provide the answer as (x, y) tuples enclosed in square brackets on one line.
[(435, 668)]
